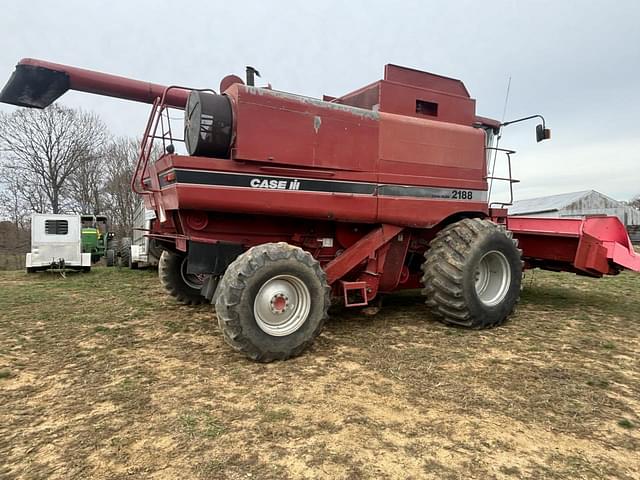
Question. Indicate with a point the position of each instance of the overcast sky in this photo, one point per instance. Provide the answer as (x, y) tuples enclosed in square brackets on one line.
[(576, 62)]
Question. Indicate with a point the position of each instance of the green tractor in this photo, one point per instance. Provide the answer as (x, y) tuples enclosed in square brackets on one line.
[(96, 239)]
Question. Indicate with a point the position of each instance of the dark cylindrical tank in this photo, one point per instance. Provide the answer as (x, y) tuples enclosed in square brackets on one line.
[(208, 124)]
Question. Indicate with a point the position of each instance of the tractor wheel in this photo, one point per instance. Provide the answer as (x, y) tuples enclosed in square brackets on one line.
[(272, 302), (472, 274), (111, 257), (185, 287), (125, 252), (155, 250)]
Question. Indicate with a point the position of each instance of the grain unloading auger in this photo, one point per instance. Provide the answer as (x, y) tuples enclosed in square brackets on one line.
[(283, 201)]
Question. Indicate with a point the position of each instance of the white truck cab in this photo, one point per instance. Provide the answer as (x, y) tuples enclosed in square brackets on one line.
[(56, 242)]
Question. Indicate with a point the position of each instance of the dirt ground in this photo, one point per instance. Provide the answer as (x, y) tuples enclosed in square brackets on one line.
[(103, 376)]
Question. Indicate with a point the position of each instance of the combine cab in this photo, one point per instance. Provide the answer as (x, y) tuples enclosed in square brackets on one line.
[(277, 202)]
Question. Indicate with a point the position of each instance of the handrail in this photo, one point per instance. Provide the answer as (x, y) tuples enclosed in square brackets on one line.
[(142, 157), (159, 110), (508, 179)]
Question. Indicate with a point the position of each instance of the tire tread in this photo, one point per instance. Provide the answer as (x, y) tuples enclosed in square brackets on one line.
[(443, 271), (233, 283), (170, 278)]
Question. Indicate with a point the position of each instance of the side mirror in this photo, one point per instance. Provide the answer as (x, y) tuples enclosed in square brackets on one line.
[(542, 133)]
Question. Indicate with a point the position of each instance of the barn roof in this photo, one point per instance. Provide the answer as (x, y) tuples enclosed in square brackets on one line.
[(549, 203)]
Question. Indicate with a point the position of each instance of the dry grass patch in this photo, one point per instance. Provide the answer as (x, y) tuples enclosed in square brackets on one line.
[(103, 376)]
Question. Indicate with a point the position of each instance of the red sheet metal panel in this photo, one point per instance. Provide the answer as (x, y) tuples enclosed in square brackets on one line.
[(359, 251), (416, 212), (418, 78), (613, 236), (325, 206), (365, 97), (402, 100), (593, 245), (427, 147), (289, 129)]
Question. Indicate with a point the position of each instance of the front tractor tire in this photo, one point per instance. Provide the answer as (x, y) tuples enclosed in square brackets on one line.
[(272, 302), (184, 287), (110, 255), (125, 252), (472, 274)]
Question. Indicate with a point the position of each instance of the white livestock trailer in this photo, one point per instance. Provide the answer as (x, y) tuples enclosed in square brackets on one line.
[(56, 243)]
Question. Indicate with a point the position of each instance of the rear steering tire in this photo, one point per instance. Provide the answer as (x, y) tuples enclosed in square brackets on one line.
[(183, 286), (472, 274), (272, 302)]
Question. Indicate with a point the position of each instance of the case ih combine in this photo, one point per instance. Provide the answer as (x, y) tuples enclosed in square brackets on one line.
[(283, 202)]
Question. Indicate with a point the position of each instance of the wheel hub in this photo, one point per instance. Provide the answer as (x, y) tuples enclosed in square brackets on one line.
[(282, 305), (492, 278), (279, 303), (192, 280)]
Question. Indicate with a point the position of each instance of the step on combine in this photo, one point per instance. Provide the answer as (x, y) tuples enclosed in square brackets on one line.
[(270, 204)]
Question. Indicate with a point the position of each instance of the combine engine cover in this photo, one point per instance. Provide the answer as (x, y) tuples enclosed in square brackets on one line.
[(375, 158)]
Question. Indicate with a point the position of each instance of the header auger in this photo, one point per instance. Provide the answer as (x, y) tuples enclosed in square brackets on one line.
[(281, 202)]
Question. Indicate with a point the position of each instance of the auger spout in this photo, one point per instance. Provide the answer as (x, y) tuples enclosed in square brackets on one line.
[(38, 83)]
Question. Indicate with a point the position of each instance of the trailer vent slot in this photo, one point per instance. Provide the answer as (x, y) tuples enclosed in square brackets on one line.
[(426, 108), (56, 227)]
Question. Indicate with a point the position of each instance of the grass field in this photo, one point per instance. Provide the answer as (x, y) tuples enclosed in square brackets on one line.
[(103, 376)]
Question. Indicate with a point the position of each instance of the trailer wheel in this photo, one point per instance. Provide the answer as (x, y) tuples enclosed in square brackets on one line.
[(272, 302), (111, 257), (183, 286), (472, 274)]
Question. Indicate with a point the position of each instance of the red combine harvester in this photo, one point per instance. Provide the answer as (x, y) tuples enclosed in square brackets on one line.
[(284, 201)]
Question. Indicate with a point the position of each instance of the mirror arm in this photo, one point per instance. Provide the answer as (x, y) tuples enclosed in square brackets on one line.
[(504, 124)]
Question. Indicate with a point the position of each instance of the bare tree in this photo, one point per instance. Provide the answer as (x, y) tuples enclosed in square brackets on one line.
[(13, 204), (119, 161), (86, 185), (14, 234), (635, 202), (48, 147), (59, 159)]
